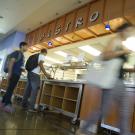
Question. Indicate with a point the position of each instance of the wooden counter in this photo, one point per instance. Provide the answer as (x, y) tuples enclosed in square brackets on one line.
[(91, 101)]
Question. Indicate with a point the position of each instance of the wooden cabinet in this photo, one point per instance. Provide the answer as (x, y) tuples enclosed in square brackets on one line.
[(91, 101), (64, 97)]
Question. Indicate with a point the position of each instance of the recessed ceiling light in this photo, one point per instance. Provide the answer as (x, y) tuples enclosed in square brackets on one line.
[(90, 50), (53, 60), (61, 53), (57, 14), (79, 1)]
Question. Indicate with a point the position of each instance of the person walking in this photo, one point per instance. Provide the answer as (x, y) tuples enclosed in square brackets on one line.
[(34, 65), (118, 93), (13, 67)]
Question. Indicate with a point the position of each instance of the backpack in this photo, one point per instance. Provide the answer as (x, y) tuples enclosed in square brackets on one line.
[(32, 62), (6, 64)]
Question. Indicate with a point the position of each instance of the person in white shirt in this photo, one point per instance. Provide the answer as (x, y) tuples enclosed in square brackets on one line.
[(34, 66)]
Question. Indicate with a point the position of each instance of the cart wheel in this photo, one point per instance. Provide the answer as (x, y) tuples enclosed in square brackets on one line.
[(74, 121)]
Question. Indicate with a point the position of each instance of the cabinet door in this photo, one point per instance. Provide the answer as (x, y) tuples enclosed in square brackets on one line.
[(90, 102)]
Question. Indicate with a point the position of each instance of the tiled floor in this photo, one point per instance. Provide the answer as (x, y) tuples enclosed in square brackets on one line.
[(24, 123)]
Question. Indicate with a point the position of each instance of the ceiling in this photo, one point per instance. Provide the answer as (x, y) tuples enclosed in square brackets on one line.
[(26, 15)]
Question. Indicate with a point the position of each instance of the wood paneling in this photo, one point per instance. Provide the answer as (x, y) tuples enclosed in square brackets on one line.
[(131, 19), (92, 99), (90, 102), (99, 29), (56, 43), (62, 40), (115, 23), (72, 37), (36, 37), (81, 18), (84, 33), (113, 117), (51, 30), (129, 8), (31, 38), (116, 12), (43, 33), (113, 9), (129, 11), (96, 7)]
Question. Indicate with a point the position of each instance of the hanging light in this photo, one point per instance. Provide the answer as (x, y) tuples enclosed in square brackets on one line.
[(50, 43), (108, 27)]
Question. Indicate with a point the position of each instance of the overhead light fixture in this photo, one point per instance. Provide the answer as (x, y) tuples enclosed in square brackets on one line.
[(53, 60), (61, 53), (34, 48), (90, 50), (50, 43), (130, 43), (108, 27)]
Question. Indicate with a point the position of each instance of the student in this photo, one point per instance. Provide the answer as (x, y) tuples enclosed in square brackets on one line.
[(118, 93), (14, 70), (34, 66)]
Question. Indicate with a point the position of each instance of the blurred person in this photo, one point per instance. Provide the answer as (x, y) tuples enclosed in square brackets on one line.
[(13, 67), (34, 65), (118, 94)]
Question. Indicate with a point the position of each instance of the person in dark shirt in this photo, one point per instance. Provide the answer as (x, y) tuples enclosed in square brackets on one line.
[(15, 68)]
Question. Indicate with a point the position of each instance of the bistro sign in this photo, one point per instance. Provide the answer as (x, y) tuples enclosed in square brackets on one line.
[(91, 14)]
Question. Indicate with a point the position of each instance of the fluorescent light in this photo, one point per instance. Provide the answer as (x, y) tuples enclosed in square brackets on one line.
[(61, 53), (74, 59), (34, 48), (90, 50), (130, 43), (53, 60)]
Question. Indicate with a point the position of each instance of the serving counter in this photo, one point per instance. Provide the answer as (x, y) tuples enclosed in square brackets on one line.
[(63, 96), (75, 99)]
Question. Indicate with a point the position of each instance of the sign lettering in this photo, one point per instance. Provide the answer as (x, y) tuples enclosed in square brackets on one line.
[(58, 30), (94, 16), (68, 26), (79, 22)]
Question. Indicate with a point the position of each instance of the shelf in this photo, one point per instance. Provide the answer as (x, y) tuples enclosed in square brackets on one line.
[(71, 93), (58, 91), (69, 106), (46, 94), (4, 84), (45, 100), (56, 102), (19, 84), (48, 89), (70, 99), (57, 97)]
